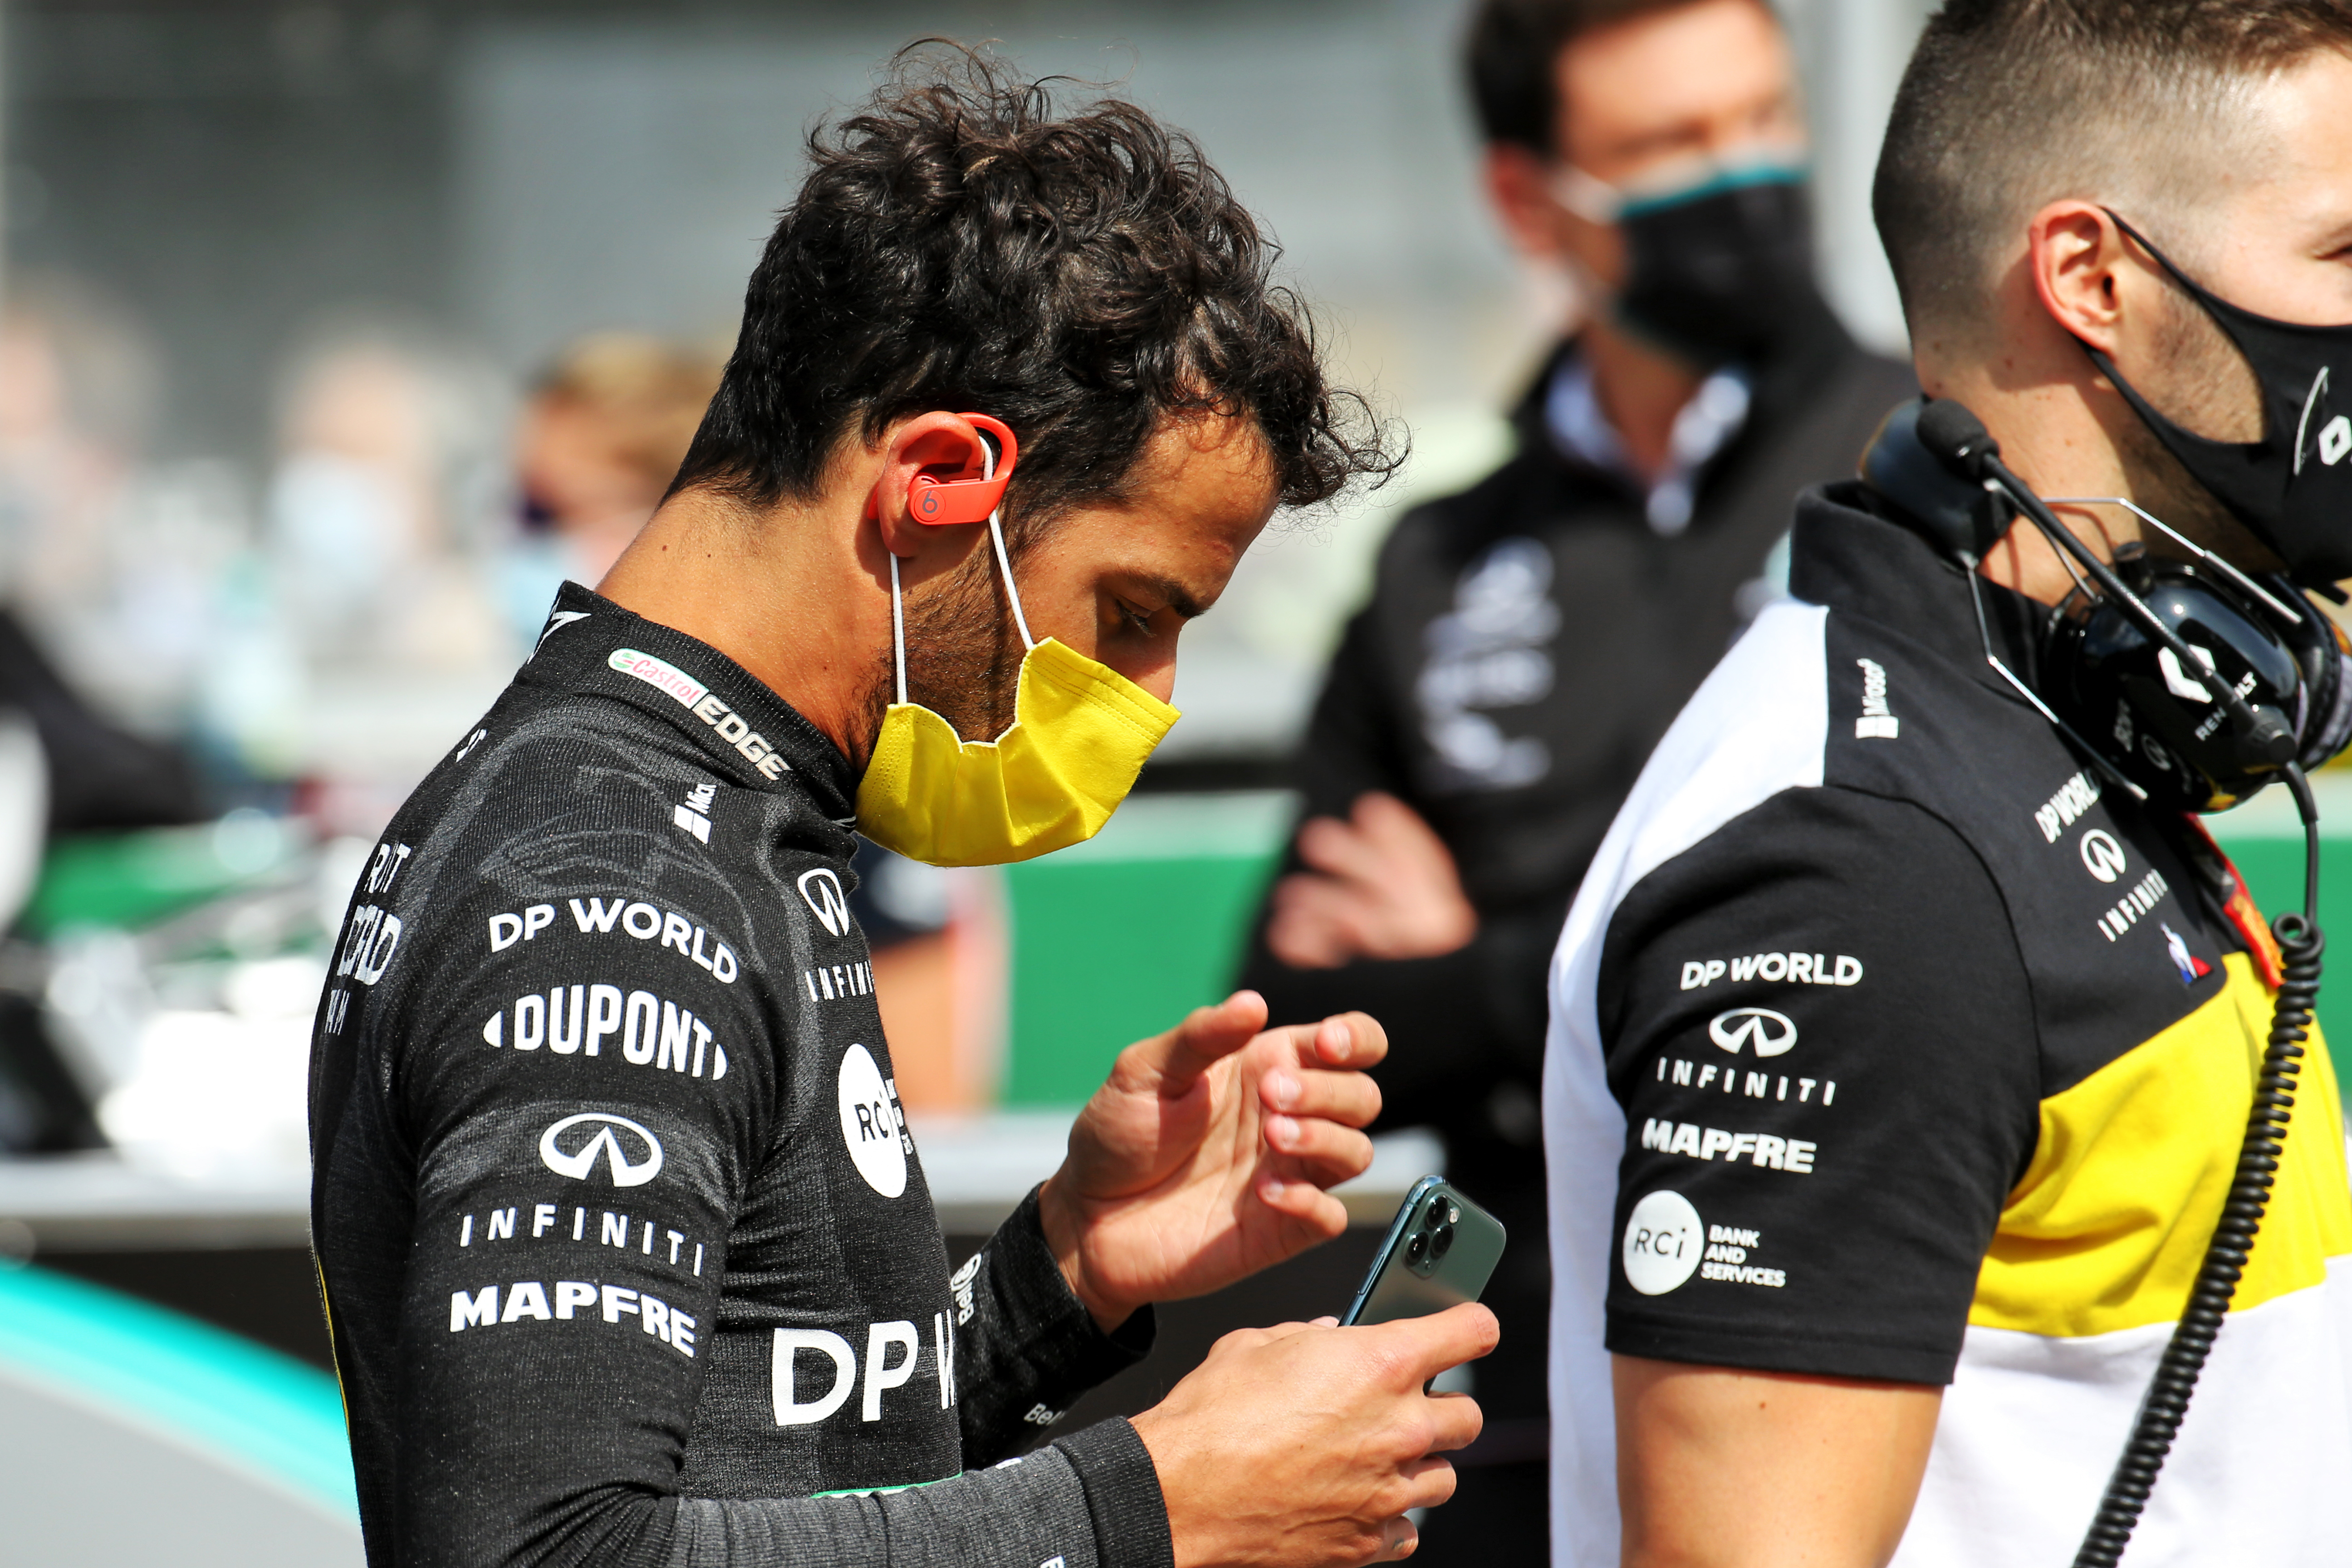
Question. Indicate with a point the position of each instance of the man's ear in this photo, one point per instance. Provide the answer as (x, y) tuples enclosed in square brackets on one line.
[(2089, 276), (1519, 185), (939, 444)]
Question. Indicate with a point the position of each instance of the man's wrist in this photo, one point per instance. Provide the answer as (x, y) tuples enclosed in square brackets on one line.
[(1064, 1225)]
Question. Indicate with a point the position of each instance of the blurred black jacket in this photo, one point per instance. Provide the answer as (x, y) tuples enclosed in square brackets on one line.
[(1527, 643), (101, 776)]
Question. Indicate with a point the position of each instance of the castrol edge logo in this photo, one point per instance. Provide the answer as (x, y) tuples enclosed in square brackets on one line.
[(699, 699)]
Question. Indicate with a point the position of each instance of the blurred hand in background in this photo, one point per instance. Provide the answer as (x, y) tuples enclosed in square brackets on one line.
[(1380, 885)]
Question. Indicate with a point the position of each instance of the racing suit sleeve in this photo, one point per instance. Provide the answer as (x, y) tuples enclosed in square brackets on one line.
[(1820, 1029), (1025, 1346), (582, 1156)]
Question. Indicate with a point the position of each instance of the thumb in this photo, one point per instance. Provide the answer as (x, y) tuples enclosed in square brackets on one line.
[(1176, 1059), (1429, 1345)]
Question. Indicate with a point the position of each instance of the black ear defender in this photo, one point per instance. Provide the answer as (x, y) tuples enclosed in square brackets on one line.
[(1960, 516), (2191, 683), (2194, 685)]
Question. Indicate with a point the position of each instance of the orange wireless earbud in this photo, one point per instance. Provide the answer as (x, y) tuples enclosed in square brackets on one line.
[(970, 495)]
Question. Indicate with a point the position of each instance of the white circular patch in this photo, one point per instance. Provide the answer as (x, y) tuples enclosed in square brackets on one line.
[(871, 1125), (1663, 1240)]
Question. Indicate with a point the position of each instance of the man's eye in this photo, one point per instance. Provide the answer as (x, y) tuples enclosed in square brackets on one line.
[(1139, 619)]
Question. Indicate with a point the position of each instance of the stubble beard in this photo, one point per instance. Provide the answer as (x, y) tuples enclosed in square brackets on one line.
[(964, 656), (2206, 387)]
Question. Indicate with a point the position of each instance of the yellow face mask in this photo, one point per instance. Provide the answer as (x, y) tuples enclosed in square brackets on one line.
[(1081, 732)]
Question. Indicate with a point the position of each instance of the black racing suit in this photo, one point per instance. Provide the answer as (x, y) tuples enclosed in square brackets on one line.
[(1539, 610), (628, 1254)]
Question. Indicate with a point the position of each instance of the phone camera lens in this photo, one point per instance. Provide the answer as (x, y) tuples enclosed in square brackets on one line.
[(1439, 1241), (1414, 1248)]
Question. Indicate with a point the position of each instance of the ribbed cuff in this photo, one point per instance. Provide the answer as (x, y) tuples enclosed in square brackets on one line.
[(1122, 1487)]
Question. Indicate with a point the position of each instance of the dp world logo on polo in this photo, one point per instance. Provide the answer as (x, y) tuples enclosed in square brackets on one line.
[(1768, 1032), (1663, 1241), (631, 1152)]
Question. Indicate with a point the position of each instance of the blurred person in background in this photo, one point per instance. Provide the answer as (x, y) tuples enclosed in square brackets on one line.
[(1528, 641), (75, 589), (75, 385), (376, 528), (627, 1249), (600, 436), (372, 574)]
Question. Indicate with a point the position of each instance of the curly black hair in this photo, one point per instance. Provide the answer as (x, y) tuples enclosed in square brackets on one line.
[(1085, 276)]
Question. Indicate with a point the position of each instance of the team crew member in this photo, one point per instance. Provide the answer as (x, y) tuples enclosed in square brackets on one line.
[(1900, 1056), (626, 1244), (1527, 642)]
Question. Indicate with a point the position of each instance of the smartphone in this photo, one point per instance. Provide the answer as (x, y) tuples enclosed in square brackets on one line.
[(1440, 1251)]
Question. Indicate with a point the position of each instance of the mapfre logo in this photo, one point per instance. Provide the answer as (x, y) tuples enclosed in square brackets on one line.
[(821, 890), (2103, 858), (632, 1154), (1769, 1033)]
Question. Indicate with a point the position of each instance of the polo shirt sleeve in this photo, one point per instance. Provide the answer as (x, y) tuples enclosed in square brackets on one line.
[(1818, 1024)]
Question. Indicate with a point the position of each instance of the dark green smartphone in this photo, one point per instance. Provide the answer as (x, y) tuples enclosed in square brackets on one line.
[(1440, 1251)]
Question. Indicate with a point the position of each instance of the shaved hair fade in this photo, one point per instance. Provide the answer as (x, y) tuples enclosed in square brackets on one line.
[(2009, 105)]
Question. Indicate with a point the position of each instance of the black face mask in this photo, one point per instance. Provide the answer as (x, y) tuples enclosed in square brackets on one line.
[(1719, 272), (2294, 487)]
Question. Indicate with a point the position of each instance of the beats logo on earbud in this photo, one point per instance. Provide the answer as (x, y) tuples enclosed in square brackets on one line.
[(970, 495)]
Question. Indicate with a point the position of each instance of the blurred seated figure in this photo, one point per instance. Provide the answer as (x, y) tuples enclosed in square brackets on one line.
[(379, 508), (97, 774), (365, 627), (604, 431)]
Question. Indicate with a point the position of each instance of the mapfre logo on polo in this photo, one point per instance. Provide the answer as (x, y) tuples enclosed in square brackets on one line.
[(821, 890), (1768, 1032), (633, 1155)]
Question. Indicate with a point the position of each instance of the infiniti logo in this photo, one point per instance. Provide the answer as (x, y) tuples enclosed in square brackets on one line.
[(625, 1172), (822, 890), (2101, 856), (1771, 1033)]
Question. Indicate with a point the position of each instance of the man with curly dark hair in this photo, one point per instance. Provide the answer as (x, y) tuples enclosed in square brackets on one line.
[(627, 1251)]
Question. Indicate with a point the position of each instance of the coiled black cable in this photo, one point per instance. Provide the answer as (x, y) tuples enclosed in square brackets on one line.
[(2300, 941)]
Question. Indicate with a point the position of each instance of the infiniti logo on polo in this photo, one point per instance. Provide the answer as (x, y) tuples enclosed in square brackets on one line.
[(2101, 856), (1771, 1033), (821, 891), (617, 1137)]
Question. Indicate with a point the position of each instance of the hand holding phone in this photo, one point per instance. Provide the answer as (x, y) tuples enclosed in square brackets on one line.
[(1440, 1251)]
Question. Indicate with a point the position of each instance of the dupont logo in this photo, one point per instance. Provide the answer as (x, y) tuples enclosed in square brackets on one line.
[(631, 1152)]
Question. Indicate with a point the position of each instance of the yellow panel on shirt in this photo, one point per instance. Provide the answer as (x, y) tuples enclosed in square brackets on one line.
[(2110, 1222)]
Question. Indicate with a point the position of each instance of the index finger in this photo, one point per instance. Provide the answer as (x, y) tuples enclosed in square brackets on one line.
[(1341, 1040), (1351, 1040)]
